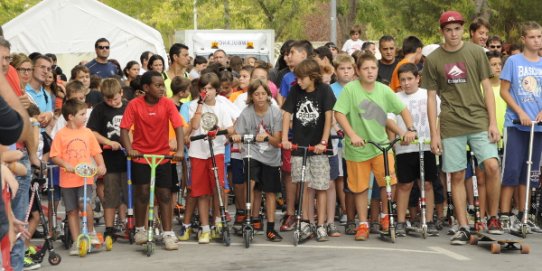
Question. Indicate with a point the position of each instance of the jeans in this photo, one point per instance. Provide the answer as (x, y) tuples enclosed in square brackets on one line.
[(19, 205)]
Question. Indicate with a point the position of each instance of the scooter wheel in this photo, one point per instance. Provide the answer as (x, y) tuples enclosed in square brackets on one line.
[(392, 234), (226, 238), (108, 243), (524, 231), (67, 238), (83, 247), (131, 236), (247, 236), (54, 259), (296, 237), (424, 232), (150, 248)]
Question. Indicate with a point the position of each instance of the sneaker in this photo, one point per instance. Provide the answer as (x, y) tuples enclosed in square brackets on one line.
[(494, 226), (170, 242), (400, 229), (29, 264), (505, 223), (140, 237), (94, 239), (432, 229), (440, 223), (453, 229), (461, 237), (288, 223), (375, 227), (332, 230), (321, 234), (306, 231), (240, 217), (385, 223), (515, 224), (30, 251), (204, 237), (74, 250), (216, 230), (533, 227), (350, 228), (258, 227), (273, 236), (342, 220), (185, 233), (362, 233)]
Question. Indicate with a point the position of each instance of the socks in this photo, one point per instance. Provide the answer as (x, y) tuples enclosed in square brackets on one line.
[(270, 226), (205, 228)]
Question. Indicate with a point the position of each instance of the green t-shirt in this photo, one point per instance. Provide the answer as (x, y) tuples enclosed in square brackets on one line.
[(367, 112), (456, 76)]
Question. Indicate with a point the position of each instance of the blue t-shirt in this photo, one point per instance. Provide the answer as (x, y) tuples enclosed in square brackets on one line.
[(337, 89), (525, 79), (103, 70), (287, 82), (43, 100)]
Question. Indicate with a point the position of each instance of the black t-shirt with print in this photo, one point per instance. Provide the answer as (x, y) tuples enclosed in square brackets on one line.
[(308, 110), (105, 120)]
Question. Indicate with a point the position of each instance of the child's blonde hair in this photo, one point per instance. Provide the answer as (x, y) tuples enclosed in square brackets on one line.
[(110, 87)]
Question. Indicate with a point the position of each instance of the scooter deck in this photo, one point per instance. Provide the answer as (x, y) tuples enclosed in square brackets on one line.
[(506, 241)]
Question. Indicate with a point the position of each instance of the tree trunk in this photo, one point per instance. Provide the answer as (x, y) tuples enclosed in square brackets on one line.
[(227, 18), (482, 9)]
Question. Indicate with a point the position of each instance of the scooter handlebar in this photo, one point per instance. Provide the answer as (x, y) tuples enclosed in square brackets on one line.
[(211, 133), (519, 122)]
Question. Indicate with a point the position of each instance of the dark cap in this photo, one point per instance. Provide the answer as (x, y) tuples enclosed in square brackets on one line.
[(450, 17)]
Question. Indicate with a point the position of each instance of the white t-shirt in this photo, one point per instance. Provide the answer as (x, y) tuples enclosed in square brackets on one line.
[(351, 46), (417, 106), (61, 123), (226, 113)]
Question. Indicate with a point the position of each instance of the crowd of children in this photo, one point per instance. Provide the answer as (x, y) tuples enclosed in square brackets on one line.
[(448, 98)]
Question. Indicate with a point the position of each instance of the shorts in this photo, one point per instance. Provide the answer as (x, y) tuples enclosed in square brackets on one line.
[(375, 190), (345, 177), (454, 150), (116, 189), (175, 181), (316, 171), (342, 165), (360, 173), (408, 167), (334, 167), (141, 175), (237, 171), (286, 157), (203, 180), (267, 178), (516, 154), (73, 197)]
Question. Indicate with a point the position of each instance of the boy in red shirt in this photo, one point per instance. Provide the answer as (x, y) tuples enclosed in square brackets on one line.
[(150, 116)]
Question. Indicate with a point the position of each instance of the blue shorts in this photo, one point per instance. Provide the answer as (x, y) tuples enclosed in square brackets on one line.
[(333, 167), (237, 171), (516, 154)]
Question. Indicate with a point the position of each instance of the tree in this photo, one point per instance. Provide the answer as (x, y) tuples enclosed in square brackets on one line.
[(10, 9)]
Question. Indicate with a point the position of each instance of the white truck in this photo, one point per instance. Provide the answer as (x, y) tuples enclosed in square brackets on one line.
[(244, 43)]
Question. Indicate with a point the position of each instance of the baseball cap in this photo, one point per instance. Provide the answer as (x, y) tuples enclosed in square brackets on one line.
[(450, 16)]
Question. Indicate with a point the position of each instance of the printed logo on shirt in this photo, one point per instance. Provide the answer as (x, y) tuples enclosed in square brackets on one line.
[(456, 73), (372, 111), (76, 150), (113, 126), (307, 113)]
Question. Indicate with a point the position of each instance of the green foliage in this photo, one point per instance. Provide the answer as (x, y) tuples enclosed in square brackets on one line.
[(9, 9)]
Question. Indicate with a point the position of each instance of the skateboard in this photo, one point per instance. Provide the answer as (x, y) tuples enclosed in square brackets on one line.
[(499, 241)]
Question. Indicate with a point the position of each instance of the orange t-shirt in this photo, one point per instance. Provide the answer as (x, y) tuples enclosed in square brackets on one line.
[(236, 94), (74, 146), (395, 84)]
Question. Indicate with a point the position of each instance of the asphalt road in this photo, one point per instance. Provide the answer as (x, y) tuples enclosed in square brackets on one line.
[(341, 253)]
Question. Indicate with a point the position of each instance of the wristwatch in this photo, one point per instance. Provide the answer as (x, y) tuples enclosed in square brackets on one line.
[(412, 129), (323, 142)]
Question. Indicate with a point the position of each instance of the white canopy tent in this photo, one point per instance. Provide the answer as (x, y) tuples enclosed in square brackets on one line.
[(69, 29)]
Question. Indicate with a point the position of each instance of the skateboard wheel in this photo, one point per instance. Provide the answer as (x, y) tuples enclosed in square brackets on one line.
[(473, 240), (83, 248), (495, 248), (525, 249)]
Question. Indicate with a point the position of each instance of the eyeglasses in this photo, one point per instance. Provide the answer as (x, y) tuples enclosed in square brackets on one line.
[(102, 47), (43, 67), (25, 70), (7, 58), (495, 46)]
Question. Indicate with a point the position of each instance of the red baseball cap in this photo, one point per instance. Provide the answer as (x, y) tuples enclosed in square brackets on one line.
[(450, 16)]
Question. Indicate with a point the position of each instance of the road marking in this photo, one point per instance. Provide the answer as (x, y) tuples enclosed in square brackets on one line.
[(450, 254)]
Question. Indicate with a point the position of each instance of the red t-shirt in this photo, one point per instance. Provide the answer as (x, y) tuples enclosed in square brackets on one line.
[(150, 125), (13, 80)]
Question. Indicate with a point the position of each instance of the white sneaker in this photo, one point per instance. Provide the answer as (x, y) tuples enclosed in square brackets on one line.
[(170, 242), (94, 239), (453, 229), (515, 224), (140, 237), (505, 223), (74, 250), (343, 219)]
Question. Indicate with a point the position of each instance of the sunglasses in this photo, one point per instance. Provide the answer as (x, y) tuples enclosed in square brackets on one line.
[(102, 47), (495, 46)]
